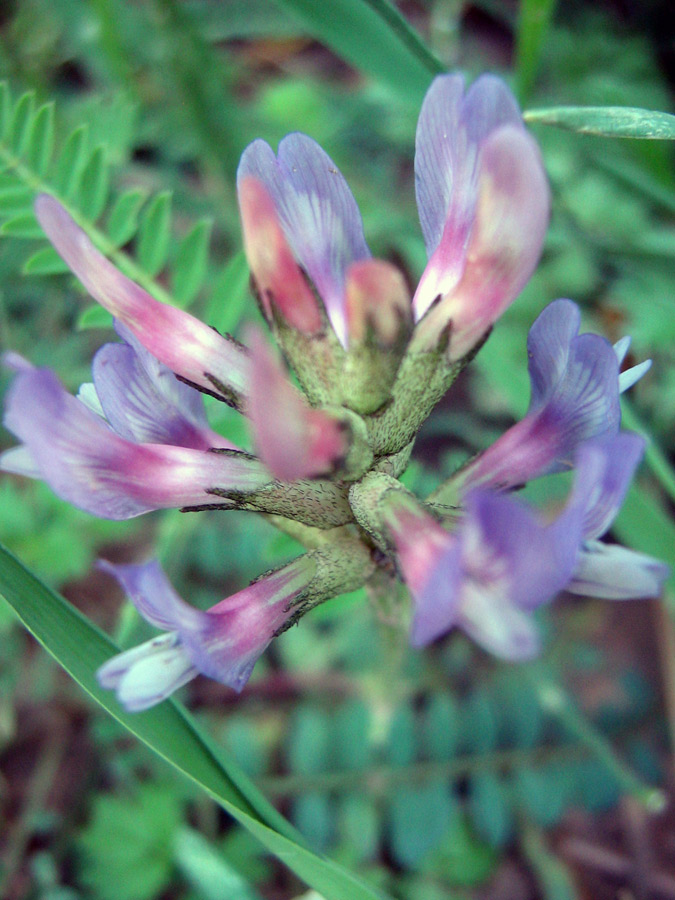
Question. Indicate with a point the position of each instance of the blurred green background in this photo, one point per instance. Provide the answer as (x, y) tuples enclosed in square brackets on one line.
[(441, 774)]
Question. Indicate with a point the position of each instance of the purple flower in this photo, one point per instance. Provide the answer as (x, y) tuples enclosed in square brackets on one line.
[(153, 452), (223, 642), (502, 560), (371, 363), (487, 576), (574, 397), (143, 400), (316, 211), (483, 202)]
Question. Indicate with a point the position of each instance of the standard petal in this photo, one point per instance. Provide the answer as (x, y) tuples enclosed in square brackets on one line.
[(281, 285), (187, 346), (87, 464), (548, 348), (317, 211), (509, 551), (450, 131), (443, 157), (152, 594), (503, 247), (615, 573)]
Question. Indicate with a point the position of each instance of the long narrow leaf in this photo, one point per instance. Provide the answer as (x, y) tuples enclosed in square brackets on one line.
[(608, 121), (372, 36), (81, 648)]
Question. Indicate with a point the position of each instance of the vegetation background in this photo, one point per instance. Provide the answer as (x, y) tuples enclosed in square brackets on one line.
[(441, 774)]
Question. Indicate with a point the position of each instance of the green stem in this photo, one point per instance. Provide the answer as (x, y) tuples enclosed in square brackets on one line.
[(554, 699), (376, 778)]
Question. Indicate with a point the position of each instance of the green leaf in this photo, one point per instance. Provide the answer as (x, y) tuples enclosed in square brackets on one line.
[(133, 837), (189, 268), (123, 219), (168, 730), (70, 162), (94, 316), (152, 243), (480, 725), (440, 727), (45, 262), (607, 121), (541, 795), (534, 20), (352, 743), (41, 142), (489, 809), (358, 824), (25, 225), (308, 741), (419, 817), (211, 876), (402, 737), (94, 185), (313, 815), (15, 199), (372, 36), (20, 126)]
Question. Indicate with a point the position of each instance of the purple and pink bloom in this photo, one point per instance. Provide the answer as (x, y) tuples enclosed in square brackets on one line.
[(370, 359)]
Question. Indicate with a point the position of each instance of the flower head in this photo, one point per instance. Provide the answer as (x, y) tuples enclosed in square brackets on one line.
[(372, 358)]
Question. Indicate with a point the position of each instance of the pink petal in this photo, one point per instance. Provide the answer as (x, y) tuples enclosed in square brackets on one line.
[(187, 346), (293, 440), (277, 275), (506, 239)]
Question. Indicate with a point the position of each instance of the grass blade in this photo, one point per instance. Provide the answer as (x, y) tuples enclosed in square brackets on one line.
[(167, 729), (372, 36), (608, 121)]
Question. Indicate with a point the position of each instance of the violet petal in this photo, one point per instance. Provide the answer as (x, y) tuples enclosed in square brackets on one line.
[(87, 464), (317, 212), (145, 403)]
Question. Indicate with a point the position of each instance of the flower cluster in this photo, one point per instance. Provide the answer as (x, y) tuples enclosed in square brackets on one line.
[(371, 362)]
